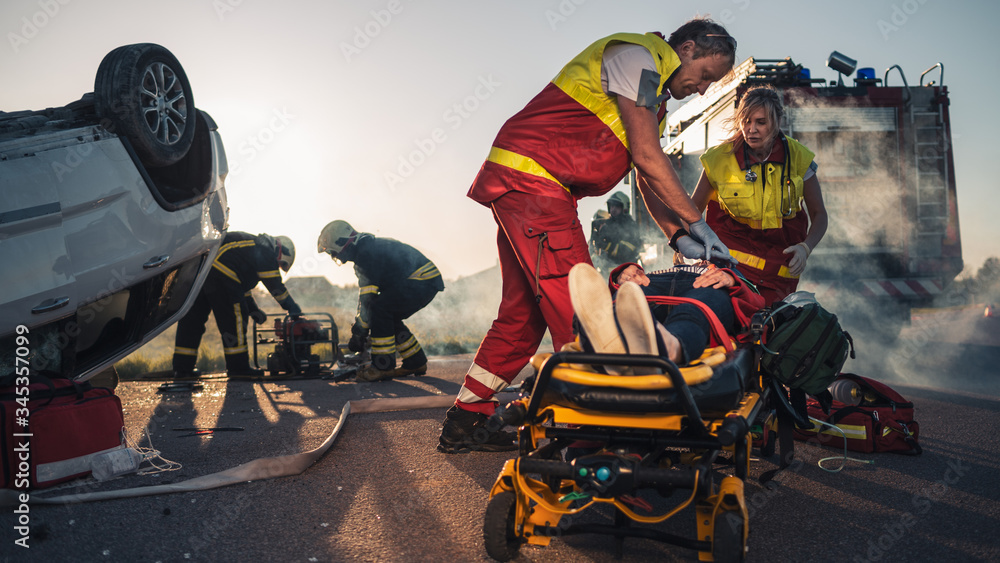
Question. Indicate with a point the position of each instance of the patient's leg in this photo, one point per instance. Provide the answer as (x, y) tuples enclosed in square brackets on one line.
[(688, 324)]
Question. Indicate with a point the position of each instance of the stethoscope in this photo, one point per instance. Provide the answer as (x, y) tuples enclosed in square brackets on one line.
[(786, 175)]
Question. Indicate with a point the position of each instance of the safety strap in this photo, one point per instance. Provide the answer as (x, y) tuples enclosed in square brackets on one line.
[(717, 329)]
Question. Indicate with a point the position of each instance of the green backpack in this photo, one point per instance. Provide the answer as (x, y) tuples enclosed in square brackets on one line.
[(805, 347)]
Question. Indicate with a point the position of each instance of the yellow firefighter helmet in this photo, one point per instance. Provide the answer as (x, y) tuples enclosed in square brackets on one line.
[(335, 237)]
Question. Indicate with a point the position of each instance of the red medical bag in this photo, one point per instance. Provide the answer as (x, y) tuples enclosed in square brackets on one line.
[(881, 421), (50, 437)]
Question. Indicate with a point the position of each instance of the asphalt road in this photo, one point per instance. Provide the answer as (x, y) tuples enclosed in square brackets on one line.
[(382, 492)]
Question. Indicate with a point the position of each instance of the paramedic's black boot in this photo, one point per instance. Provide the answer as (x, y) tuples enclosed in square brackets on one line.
[(465, 431)]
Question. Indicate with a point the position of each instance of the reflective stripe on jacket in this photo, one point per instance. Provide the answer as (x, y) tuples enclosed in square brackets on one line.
[(248, 260)]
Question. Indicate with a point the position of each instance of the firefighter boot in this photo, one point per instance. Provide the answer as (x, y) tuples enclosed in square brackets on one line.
[(465, 431), (238, 365), (383, 367), (414, 358), (183, 365)]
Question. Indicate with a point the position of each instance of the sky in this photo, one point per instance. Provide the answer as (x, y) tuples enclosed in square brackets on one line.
[(380, 112)]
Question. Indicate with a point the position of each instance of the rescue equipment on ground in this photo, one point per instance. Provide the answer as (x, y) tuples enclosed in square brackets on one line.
[(66, 424), (878, 419), (302, 346)]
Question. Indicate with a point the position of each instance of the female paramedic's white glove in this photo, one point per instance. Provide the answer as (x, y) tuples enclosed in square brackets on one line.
[(800, 253), (713, 249)]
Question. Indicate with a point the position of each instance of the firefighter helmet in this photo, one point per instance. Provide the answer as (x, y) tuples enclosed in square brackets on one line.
[(619, 198), (335, 237), (286, 252)]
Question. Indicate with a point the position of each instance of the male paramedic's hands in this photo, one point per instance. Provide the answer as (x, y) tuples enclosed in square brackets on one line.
[(713, 247), (258, 316), (800, 253)]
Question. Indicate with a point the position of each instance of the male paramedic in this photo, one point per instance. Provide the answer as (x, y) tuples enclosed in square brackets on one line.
[(603, 113)]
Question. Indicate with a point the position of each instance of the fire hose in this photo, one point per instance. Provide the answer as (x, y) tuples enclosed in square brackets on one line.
[(256, 470)]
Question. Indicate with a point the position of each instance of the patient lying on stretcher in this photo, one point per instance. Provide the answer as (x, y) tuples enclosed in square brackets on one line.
[(681, 332)]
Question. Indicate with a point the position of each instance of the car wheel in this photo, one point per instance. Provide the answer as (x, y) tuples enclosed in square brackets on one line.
[(143, 92)]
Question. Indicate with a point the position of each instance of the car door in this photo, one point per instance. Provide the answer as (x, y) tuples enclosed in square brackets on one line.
[(36, 275)]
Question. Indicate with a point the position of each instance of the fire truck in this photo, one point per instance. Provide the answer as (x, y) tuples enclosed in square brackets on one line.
[(885, 167)]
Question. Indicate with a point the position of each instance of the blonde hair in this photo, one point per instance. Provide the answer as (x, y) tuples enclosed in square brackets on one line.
[(765, 97)]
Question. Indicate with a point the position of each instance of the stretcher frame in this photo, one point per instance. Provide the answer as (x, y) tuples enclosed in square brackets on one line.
[(535, 491)]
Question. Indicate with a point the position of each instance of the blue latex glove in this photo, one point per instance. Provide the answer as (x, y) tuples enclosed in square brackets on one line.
[(690, 248), (713, 249)]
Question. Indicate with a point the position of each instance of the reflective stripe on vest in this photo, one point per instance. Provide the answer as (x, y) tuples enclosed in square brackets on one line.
[(521, 163), (759, 263)]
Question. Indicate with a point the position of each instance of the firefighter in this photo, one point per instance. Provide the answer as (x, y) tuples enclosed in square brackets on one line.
[(395, 281), (617, 236), (602, 114), (242, 262), (754, 186)]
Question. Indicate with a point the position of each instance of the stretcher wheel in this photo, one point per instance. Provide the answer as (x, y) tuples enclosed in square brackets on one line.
[(499, 534), (727, 540)]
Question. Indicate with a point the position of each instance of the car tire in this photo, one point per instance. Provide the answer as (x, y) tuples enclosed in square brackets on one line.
[(142, 93)]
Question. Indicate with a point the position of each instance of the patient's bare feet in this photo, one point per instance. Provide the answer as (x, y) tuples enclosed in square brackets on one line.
[(591, 298)]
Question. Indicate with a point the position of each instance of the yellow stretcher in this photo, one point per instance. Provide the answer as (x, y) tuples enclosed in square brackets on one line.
[(588, 439)]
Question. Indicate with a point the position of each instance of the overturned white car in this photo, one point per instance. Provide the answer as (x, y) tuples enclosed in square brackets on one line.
[(112, 209)]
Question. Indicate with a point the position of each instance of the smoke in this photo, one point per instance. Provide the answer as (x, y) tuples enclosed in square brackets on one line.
[(458, 318), (869, 173)]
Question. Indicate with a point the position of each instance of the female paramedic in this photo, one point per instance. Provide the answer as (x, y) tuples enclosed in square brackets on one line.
[(754, 186)]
